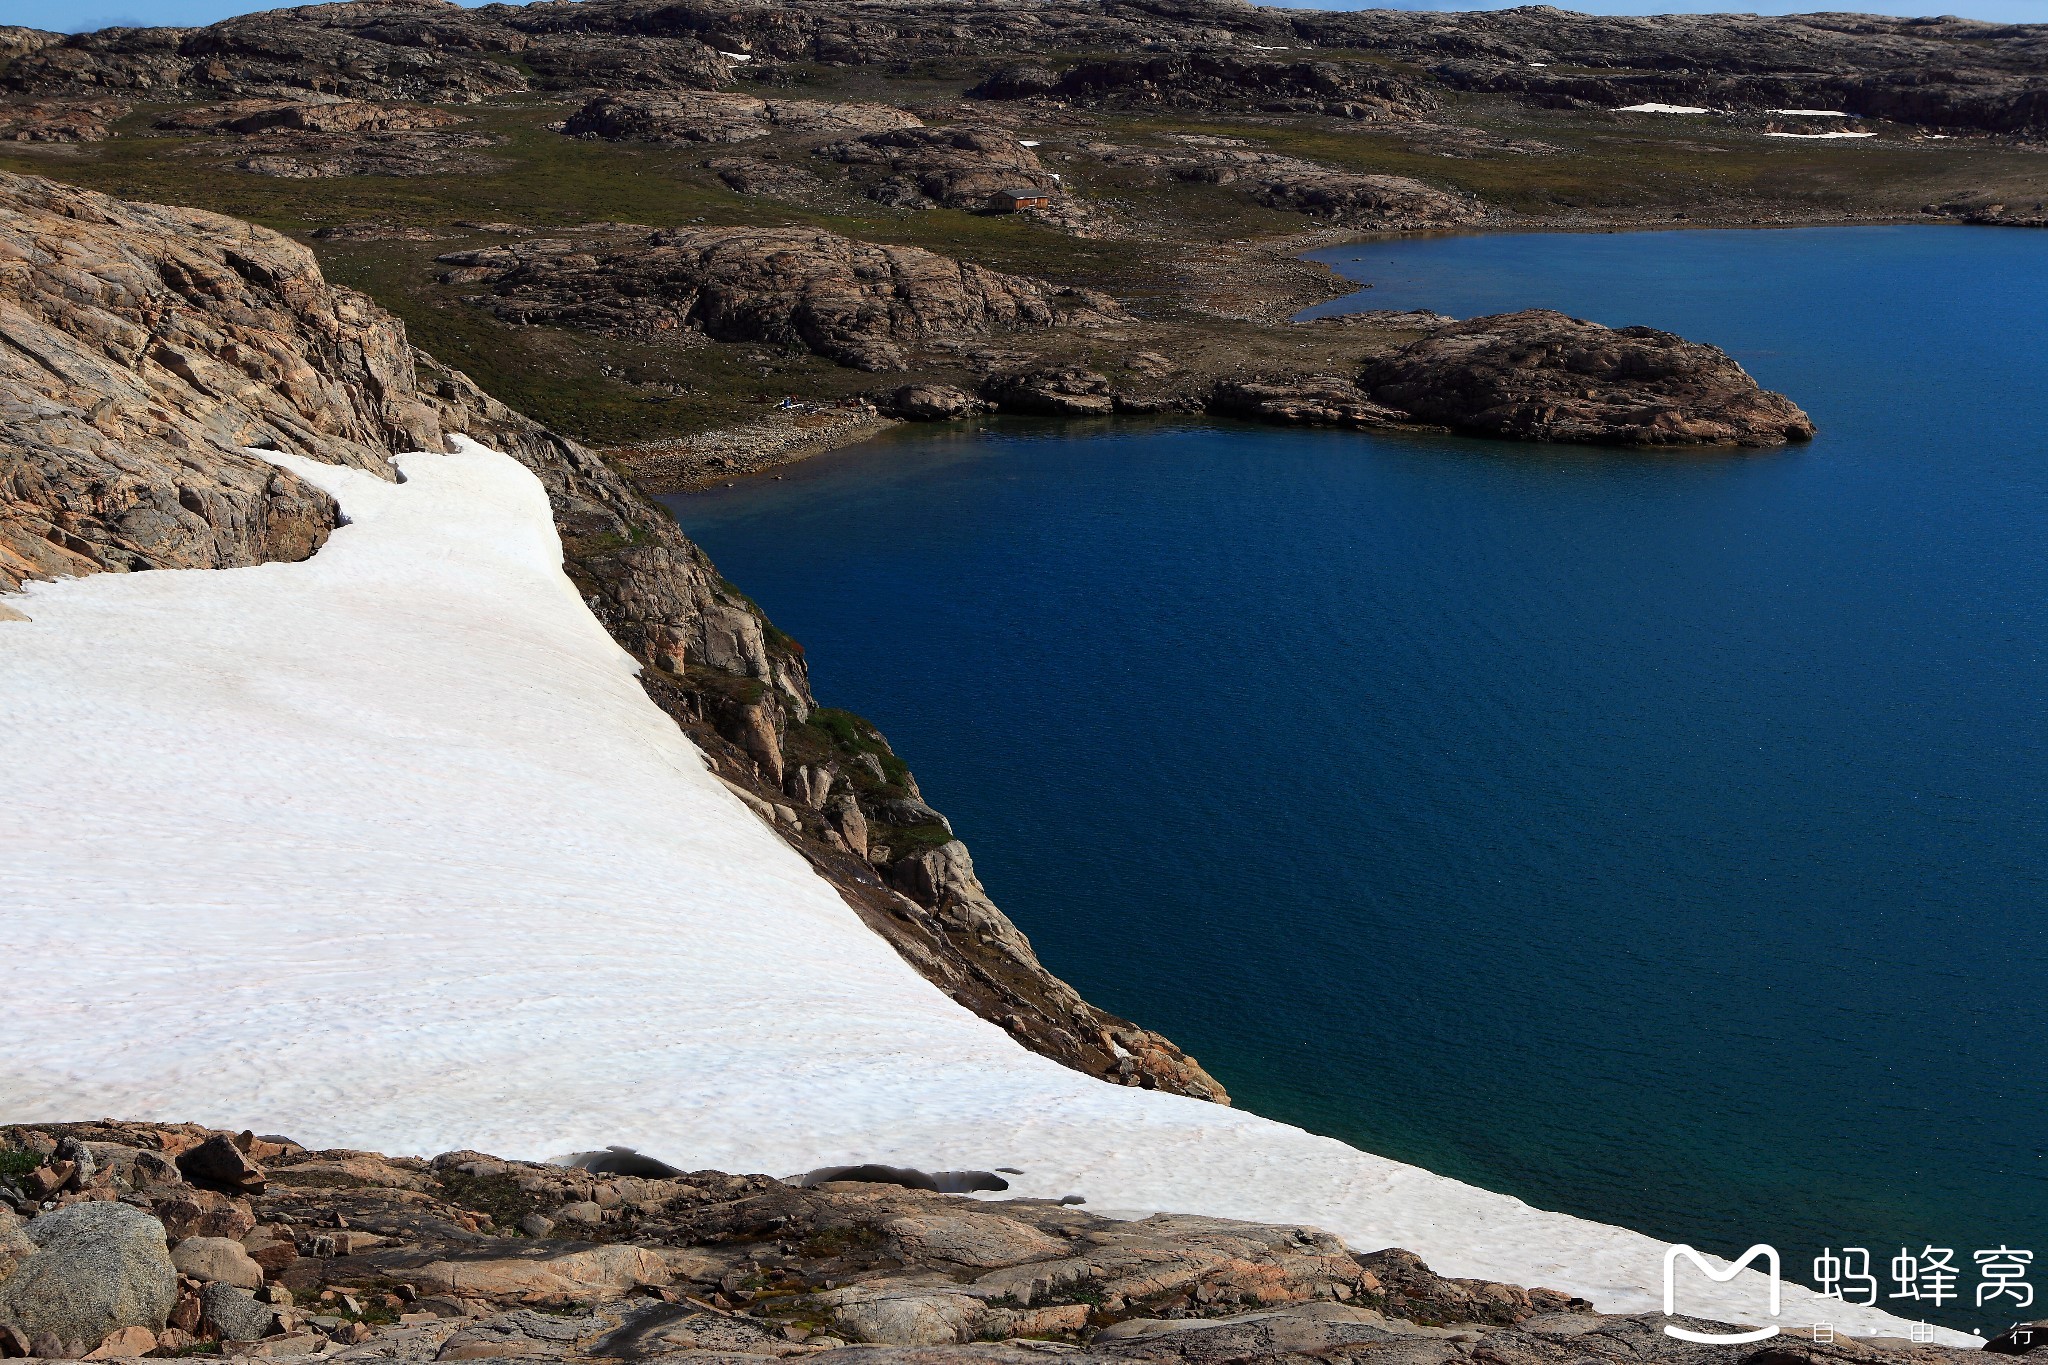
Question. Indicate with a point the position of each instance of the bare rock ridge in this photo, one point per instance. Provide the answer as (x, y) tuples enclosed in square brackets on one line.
[(858, 303), (146, 348), (1944, 73), (728, 116)]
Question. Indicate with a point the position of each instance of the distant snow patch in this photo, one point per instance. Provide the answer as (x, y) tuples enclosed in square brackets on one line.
[(1818, 137), (1809, 113), (1661, 109)]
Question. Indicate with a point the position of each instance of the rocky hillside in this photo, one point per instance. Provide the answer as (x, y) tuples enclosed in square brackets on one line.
[(149, 346), (1947, 72), (127, 1239)]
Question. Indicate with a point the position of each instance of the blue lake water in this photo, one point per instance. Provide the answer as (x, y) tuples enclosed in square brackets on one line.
[(1657, 838)]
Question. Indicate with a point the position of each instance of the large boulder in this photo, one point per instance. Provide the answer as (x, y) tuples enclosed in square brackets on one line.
[(1541, 376), (97, 1267)]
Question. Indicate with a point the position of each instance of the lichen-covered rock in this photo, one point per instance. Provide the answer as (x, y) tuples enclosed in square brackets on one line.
[(97, 1267), (1542, 376)]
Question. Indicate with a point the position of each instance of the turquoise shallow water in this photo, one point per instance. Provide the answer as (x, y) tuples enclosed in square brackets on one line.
[(1659, 839)]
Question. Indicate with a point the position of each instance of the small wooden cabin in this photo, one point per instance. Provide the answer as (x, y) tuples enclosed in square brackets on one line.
[(1013, 201)]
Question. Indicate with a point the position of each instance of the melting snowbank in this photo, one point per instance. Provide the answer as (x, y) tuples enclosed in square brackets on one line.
[(387, 849)]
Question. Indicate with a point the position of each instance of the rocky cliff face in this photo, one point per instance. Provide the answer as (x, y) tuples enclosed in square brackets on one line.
[(149, 346)]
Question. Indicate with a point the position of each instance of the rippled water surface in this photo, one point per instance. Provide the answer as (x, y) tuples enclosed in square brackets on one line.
[(1657, 838)]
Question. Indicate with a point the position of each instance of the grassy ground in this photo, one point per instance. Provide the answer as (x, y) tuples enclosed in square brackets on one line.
[(1609, 168)]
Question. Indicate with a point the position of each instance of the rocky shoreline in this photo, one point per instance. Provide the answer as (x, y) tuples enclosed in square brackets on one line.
[(129, 1239)]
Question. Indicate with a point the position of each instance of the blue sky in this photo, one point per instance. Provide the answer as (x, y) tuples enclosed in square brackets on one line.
[(75, 15)]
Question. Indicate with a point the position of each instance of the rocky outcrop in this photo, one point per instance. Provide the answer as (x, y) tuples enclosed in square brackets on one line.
[(766, 178), (1213, 79), (148, 348), (325, 156), (858, 303), (611, 60), (962, 167), (709, 116), (933, 402), (1319, 400), (322, 137), (1381, 202), (1542, 376), (1053, 391), (60, 120), (309, 116)]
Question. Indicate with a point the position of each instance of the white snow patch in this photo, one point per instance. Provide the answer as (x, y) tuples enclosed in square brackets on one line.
[(1027, 142), (1819, 137), (734, 56), (1809, 113), (388, 849), (1661, 109)]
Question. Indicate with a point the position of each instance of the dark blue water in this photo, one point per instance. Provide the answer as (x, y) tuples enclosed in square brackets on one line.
[(1659, 839)]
